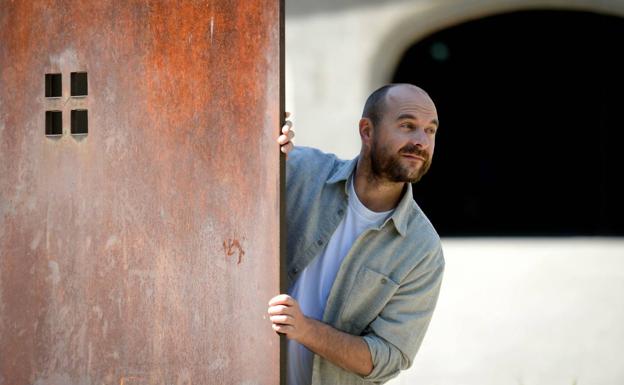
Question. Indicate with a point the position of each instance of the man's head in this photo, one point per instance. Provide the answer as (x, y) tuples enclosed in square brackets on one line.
[(398, 128)]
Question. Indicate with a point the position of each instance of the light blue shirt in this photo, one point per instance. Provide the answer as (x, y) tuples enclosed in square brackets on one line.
[(312, 287), (387, 284)]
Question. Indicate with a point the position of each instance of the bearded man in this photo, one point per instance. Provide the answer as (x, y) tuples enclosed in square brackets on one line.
[(365, 264)]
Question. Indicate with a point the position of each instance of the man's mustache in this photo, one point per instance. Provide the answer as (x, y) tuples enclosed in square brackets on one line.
[(414, 150)]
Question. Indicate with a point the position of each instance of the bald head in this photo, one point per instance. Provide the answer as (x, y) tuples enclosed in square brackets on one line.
[(376, 104)]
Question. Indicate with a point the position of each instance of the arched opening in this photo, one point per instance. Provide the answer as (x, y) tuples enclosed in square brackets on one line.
[(530, 134)]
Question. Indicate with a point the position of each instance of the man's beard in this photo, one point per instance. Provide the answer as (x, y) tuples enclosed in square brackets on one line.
[(388, 166)]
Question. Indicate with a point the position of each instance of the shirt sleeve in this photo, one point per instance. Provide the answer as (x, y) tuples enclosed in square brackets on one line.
[(396, 334)]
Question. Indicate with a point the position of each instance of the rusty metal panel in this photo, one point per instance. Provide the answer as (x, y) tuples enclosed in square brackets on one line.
[(145, 250)]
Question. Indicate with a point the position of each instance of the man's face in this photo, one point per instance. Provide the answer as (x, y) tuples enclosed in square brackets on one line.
[(403, 141)]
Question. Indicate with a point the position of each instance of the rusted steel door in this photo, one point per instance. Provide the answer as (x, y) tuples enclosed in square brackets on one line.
[(139, 191)]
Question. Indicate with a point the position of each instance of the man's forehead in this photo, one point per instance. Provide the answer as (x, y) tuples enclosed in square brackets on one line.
[(408, 98)]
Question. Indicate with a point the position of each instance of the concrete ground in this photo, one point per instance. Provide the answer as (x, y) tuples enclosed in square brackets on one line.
[(526, 312)]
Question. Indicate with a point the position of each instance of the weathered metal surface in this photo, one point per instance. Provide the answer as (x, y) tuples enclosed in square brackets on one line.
[(145, 251)]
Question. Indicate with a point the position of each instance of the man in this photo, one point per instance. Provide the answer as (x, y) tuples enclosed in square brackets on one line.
[(364, 263)]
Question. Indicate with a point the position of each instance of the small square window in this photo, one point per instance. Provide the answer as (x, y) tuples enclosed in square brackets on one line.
[(53, 86), (79, 85), (79, 122), (54, 123)]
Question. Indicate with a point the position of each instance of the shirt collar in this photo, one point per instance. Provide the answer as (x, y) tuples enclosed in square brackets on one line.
[(400, 216), (344, 172)]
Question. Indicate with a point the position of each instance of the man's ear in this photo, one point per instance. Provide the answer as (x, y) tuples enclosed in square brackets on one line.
[(366, 132)]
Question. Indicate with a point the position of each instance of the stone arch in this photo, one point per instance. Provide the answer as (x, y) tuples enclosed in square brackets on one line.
[(423, 21), (570, 76)]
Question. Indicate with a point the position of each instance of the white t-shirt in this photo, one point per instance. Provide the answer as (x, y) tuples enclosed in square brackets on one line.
[(312, 287)]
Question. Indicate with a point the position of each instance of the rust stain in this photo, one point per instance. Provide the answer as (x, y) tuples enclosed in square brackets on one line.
[(233, 246)]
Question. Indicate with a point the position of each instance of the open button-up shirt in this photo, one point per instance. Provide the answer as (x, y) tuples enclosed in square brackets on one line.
[(387, 286)]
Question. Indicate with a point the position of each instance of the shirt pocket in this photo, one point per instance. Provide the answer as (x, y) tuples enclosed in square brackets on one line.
[(367, 298)]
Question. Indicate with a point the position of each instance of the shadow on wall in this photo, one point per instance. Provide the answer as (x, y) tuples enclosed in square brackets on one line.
[(530, 128)]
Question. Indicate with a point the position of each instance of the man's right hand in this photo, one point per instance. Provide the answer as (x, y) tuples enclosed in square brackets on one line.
[(285, 140), (287, 317), (345, 350)]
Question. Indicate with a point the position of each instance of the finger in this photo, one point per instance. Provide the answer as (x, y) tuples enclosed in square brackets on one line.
[(287, 114), (282, 299), (287, 148), (287, 126), (282, 329), (283, 319), (283, 139), (288, 132), (279, 310)]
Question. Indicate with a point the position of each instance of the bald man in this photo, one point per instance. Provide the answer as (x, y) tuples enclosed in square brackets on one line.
[(365, 264)]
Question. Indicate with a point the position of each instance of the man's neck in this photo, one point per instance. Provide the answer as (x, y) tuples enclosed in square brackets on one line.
[(376, 194)]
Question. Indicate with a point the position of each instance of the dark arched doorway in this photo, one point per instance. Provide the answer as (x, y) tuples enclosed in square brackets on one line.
[(531, 129)]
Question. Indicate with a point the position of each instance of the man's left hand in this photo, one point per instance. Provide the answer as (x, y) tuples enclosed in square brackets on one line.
[(287, 318), (285, 140)]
